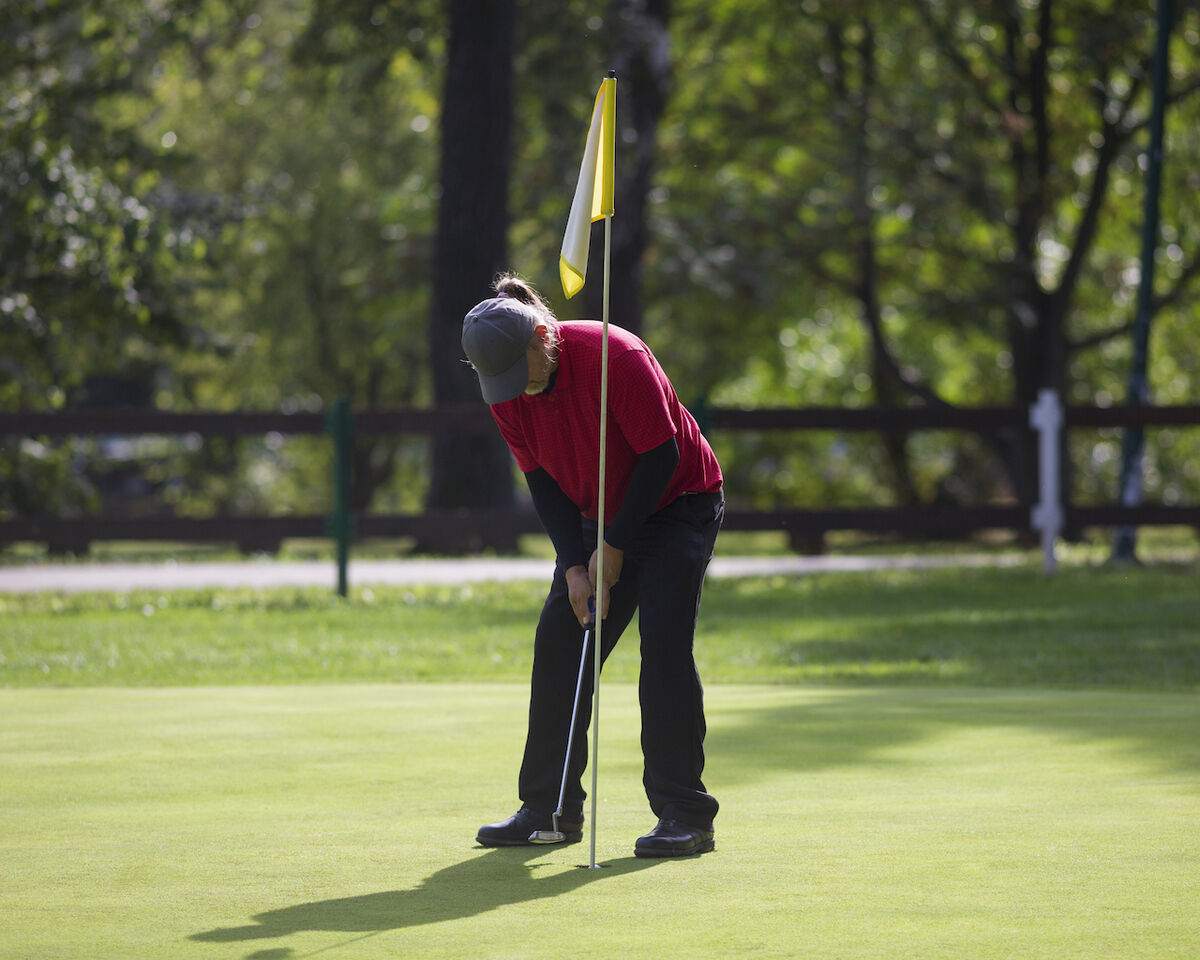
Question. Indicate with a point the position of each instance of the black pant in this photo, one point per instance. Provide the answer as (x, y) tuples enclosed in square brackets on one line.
[(661, 578)]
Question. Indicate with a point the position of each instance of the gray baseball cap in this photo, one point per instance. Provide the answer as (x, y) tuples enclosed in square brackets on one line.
[(494, 336)]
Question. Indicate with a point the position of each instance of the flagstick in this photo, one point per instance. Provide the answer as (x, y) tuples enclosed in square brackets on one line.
[(597, 650)]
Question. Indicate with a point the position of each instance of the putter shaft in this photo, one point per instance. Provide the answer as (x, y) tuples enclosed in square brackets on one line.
[(562, 789)]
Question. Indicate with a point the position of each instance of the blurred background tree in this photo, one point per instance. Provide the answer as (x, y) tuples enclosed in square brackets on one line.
[(938, 204), (98, 249), (209, 204), (471, 468)]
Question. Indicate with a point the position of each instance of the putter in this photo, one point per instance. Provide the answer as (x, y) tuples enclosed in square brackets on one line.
[(555, 835)]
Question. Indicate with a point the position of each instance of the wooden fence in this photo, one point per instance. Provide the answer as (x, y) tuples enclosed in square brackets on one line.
[(803, 525)]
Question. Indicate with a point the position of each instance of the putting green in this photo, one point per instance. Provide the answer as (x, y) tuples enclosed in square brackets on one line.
[(337, 821)]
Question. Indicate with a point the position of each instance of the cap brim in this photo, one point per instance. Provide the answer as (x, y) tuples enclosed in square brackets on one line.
[(507, 385)]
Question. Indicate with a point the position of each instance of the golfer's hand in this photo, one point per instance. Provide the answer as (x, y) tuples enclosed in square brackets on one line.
[(614, 559), (579, 591)]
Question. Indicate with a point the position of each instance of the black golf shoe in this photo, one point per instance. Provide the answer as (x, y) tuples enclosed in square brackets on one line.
[(523, 827), (674, 839)]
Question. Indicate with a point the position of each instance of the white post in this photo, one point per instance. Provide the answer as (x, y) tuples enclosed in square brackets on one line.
[(1046, 416)]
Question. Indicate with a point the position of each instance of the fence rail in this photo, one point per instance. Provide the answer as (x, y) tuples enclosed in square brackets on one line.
[(255, 532), (125, 422), (129, 422)]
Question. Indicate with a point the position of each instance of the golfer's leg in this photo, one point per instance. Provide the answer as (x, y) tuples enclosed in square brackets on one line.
[(558, 644), (556, 648), (670, 692)]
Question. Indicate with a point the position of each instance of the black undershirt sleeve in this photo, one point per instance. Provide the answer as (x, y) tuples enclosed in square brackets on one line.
[(560, 518), (652, 472)]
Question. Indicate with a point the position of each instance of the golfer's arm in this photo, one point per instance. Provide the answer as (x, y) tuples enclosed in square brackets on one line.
[(652, 473), (560, 518)]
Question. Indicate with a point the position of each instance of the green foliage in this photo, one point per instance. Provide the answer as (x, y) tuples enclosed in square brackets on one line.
[(319, 125), (93, 229), (234, 205), (97, 242), (961, 181)]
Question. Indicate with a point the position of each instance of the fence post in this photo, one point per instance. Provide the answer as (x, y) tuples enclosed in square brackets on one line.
[(1046, 416), (340, 423)]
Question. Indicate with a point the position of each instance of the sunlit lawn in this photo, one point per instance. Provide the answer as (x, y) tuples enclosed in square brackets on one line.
[(288, 821), (945, 763)]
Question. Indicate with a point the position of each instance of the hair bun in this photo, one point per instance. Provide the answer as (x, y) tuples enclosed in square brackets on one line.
[(508, 285)]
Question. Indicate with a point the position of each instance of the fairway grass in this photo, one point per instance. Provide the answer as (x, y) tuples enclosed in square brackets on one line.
[(337, 821)]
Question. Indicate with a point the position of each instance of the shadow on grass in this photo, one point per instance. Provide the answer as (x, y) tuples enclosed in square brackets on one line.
[(1094, 628), (494, 879), (813, 729)]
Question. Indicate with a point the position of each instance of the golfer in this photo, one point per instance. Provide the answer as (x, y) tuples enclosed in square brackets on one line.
[(664, 506)]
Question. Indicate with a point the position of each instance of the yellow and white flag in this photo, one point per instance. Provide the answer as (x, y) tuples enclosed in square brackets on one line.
[(594, 193)]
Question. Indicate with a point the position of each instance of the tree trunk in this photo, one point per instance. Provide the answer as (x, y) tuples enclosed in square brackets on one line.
[(1037, 318), (471, 468)]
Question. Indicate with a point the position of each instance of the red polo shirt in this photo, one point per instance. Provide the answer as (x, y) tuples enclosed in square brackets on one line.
[(560, 430)]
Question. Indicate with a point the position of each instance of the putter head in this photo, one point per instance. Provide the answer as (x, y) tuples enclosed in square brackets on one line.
[(553, 835)]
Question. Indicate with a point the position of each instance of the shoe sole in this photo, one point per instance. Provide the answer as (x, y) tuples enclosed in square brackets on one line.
[(704, 846)]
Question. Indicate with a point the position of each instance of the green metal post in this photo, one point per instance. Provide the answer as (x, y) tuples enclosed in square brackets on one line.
[(1130, 493), (340, 423)]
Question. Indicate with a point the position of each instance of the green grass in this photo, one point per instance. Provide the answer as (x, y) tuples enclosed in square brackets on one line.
[(954, 763), (1113, 627), (284, 822)]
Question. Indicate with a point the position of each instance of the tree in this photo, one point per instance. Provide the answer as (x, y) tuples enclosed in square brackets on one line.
[(97, 248), (314, 124), (91, 233), (473, 468), (948, 185), (818, 203)]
